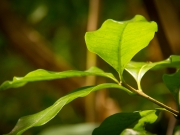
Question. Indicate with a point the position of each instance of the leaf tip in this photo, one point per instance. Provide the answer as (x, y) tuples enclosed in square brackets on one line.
[(139, 18)]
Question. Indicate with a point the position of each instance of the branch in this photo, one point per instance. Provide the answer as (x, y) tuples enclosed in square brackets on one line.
[(91, 59), (142, 94)]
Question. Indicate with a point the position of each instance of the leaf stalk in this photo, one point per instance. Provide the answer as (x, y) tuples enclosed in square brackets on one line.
[(142, 94)]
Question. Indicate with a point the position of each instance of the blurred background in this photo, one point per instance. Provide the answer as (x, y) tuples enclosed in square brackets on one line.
[(50, 35)]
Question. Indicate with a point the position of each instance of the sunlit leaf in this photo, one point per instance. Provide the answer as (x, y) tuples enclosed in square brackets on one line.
[(117, 42), (138, 69), (46, 115), (172, 81), (115, 124), (41, 74)]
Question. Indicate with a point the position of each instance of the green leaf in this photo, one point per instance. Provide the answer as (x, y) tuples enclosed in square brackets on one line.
[(172, 81), (46, 115), (138, 69), (117, 42), (115, 124), (40, 75)]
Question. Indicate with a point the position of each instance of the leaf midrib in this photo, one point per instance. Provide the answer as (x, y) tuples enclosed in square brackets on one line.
[(119, 56)]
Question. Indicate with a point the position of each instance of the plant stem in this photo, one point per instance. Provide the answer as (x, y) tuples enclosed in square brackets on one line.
[(142, 94), (91, 61)]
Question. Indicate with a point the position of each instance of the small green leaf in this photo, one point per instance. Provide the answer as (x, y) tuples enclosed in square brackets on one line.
[(148, 116), (46, 115), (40, 75), (138, 69), (172, 81), (117, 42), (115, 124)]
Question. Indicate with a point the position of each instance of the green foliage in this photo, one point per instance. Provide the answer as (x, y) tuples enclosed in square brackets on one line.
[(44, 116), (116, 43), (173, 83), (116, 123), (138, 69), (41, 74)]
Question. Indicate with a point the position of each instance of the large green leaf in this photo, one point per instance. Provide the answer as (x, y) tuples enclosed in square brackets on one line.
[(115, 124), (117, 42), (40, 74), (46, 115), (138, 69), (172, 81)]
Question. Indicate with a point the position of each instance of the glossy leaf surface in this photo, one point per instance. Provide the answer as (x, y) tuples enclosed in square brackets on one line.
[(172, 81), (138, 69), (117, 42), (46, 115), (41, 74), (115, 124)]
